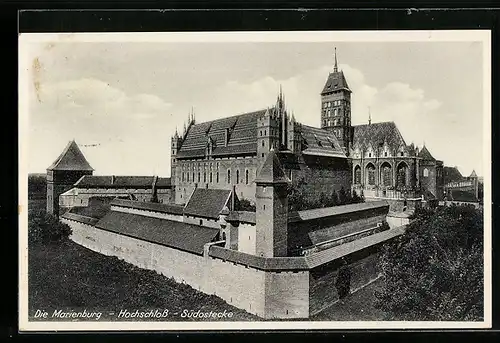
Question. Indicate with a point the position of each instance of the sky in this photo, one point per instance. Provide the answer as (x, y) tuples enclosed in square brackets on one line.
[(122, 101)]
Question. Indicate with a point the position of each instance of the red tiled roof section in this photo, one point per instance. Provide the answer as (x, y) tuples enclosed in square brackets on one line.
[(149, 206), (320, 142), (242, 136), (376, 133), (336, 81), (71, 158), (109, 181), (207, 203)]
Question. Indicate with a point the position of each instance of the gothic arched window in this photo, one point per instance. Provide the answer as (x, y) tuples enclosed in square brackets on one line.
[(237, 176), (246, 176), (370, 170), (357, 175), (402, 174), (217, 177), (210, 178), (426, 172), (386, 175), (228, 176)]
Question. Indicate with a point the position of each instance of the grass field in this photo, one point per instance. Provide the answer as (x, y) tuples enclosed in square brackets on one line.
[(66, 276)]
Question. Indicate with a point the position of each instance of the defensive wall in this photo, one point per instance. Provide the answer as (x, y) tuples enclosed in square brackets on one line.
[(282, 287)]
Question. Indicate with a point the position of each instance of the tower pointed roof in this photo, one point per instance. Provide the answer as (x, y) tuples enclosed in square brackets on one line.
[(271, 171), (71, 158), (473, 174), (335, 67), (336, 80)]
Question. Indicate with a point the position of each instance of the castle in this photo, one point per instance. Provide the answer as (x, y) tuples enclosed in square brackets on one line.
[(371, 159), (273, 262)]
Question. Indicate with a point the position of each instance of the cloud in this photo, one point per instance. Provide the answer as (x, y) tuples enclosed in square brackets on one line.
[(94, 112), (97, 97)]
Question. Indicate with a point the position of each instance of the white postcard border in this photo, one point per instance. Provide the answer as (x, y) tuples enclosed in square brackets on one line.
[(483, 36)]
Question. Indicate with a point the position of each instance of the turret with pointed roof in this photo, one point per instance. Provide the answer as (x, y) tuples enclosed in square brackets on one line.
[(71, 158), (425, 154), (67, 169), (271, 239)]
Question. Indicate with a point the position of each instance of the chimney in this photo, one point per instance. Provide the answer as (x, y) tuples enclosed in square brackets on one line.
[(112, 179)]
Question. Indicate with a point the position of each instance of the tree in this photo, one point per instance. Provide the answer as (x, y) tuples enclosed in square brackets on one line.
[(355, 198), (435, 270), (343, 197), (245, 205), (296, 196), (335, 198), (323, 200), (46, 228)]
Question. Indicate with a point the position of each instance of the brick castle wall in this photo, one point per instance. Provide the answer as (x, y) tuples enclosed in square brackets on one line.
[(258, 292)]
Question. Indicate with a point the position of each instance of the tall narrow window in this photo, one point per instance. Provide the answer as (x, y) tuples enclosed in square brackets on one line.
[(199, 179), (204, 177), (193, 177), (210, 177), (228, 176), (246, 176), (237, 176), (217, 177)]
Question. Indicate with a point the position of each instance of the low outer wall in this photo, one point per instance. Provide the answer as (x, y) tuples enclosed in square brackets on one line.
[(180, 265), (263, 293)]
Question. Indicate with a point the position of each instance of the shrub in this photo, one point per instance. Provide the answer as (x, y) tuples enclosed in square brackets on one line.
[(435, 270), (46, 228)]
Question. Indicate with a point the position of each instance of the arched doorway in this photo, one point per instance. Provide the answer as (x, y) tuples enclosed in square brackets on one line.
[(402, 175), (357, 174), (386, 174), (370, 174)]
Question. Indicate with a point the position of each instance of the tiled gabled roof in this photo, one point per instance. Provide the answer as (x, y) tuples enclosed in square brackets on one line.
[(320, 142), (336, 81), (149, 206), (376, 133), (108, 181), (71, 158), (207, 203), (242, 136)]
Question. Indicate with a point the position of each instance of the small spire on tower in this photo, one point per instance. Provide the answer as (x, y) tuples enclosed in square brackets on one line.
[(335, 67), (369, 116)]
